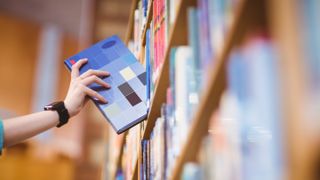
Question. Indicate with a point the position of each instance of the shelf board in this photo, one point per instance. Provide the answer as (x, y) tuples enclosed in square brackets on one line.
[(212, 93)]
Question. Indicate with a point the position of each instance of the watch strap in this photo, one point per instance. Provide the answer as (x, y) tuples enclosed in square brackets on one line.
[(63, 114), (61, 110)]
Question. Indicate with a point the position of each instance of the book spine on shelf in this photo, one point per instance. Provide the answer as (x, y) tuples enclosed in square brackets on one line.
[(182, 56), (136, 33), (152, 61), (205, 45), (194, 70), (148, 68)]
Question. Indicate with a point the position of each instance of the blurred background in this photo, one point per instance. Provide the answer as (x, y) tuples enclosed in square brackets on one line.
[(36, 36)]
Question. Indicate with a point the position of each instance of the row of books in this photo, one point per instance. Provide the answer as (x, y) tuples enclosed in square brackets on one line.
[(163, 15), (140, 17), (154, 151), (188, 66), (208, 24), (245, 138), (153, 57), (186, 73)]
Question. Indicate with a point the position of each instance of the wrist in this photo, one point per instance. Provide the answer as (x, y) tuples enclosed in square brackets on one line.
[(69, 106)]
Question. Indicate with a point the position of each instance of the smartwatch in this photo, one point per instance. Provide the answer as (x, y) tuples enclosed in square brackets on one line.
[(61, 110)]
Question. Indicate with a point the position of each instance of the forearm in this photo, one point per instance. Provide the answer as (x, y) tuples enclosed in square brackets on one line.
[(23, 127)]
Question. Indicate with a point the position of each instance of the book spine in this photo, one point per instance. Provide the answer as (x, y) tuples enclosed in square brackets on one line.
[(148, 68), (68, 65), (136, 33)]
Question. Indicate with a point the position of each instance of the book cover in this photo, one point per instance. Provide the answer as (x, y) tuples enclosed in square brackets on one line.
[(126, 98)]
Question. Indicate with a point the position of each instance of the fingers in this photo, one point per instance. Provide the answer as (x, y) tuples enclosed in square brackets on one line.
[(75, 68), (94, 94), (95, 79), (91, 72)]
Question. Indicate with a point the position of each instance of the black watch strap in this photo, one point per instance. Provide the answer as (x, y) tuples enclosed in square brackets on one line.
[(61, 110)]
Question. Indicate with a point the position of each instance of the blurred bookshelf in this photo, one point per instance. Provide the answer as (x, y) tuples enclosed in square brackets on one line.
[(233, 91)]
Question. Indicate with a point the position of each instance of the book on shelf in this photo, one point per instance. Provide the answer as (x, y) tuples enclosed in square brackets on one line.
[(148, 68), (159, 34)]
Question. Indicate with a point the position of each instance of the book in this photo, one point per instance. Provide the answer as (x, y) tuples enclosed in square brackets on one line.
[(195, 71), (148, 67), (126, 105)]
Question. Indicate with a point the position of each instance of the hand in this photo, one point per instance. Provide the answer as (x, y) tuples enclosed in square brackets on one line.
[(79, 91)]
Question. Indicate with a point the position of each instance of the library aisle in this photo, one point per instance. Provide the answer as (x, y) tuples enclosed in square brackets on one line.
[(232, 89)]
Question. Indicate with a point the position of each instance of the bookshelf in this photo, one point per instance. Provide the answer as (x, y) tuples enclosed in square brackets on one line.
[(249, 15)]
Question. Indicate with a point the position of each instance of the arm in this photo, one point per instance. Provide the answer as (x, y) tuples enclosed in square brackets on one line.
[(21, 128)]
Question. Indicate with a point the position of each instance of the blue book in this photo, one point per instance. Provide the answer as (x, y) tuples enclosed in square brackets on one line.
[(148, 67), (126, 98)]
